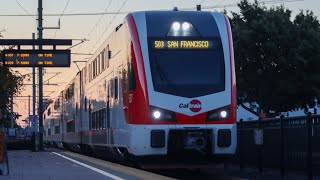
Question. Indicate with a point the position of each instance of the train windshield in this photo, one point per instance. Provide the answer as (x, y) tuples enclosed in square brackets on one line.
[(187, 71)]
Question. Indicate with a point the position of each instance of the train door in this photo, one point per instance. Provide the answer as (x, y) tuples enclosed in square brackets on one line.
[(119, 99), (114, 106), (109, 101), (125, 90), (131, 86)]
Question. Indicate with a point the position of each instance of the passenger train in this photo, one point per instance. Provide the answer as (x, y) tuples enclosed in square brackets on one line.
[(162, 86)]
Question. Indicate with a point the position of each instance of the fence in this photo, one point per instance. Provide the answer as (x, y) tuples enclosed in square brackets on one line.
[(289, 144)]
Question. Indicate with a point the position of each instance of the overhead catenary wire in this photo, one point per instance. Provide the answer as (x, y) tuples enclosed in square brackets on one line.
[(99, 18), (126, 12), (110, 23), (83, 40), (25, 10), (65, 7), (89, 33), (70, 14), (95, 25), (107, 26), (235, 5), (201, 2)]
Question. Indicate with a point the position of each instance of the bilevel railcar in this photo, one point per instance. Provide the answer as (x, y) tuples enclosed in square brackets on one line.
[(162, 85)]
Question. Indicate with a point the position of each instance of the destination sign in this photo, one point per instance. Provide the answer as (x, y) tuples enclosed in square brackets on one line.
[(36, 58), (182, 44)]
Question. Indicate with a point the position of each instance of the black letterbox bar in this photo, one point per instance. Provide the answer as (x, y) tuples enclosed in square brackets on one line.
[(45, 42)]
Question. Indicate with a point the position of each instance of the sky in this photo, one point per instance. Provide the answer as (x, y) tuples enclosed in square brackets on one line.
[(94, 28)]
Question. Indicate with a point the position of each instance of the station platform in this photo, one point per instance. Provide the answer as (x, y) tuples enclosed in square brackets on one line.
[(56, 165)]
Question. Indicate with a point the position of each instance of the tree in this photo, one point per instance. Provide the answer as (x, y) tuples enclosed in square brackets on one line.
[(277, 60), (10, 85)]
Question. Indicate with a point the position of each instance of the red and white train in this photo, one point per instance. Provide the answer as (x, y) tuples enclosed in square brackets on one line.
[(162, 85)]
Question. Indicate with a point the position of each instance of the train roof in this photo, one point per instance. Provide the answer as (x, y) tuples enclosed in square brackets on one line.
[(162, 12)]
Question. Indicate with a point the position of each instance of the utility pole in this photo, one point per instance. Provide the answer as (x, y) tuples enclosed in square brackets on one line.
[(40, 112), (29, 108), (33, 83)]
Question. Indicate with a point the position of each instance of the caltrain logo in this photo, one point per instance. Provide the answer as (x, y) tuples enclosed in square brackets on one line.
[(194, 105)]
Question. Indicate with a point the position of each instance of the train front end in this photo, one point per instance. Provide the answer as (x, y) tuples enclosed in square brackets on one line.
[(184, 102)]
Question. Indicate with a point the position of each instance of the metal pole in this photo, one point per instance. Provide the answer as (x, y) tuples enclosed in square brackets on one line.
[(40, 28), (12, 111), (29, 108), (33, 84)]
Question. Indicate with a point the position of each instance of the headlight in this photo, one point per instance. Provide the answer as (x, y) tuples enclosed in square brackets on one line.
[(176, 26), (158, 114), (223, 114), (219, 114), (185, 29), (185, 26)]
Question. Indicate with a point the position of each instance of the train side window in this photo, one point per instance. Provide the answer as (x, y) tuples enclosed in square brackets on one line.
[(71, 126), (89, 73), (104, 118), (94, 69), (57, 129), (85, 104), (98, 119), (85, 75), (132, 78), (116, 88), (98, 65), (106, 55), (100, 123), (93, 120), (103, 64), (49, 111), (125, 78)]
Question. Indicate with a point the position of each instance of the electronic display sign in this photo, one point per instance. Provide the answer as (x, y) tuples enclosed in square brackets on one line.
[(183, 44), (36, 58)]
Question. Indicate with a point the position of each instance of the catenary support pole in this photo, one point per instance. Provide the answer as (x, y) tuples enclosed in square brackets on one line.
[(33, 84), (40, 111)]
